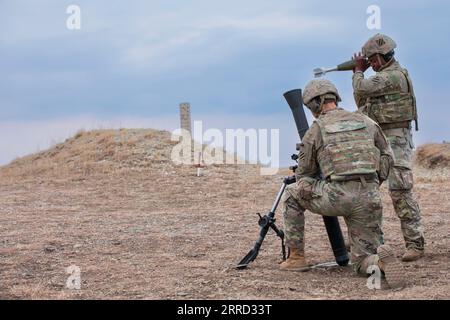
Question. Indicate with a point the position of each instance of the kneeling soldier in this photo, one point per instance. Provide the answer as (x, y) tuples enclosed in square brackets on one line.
[(342, 160)]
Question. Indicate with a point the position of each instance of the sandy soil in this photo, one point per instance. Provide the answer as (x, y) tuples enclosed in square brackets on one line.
[(161, 232)]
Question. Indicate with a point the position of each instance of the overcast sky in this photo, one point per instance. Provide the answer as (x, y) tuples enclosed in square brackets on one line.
[(133, 62)]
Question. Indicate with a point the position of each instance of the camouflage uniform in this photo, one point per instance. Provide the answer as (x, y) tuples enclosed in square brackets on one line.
[(388, 98), (351, 152)]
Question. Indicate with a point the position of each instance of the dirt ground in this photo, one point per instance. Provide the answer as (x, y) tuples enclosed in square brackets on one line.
[(163, 233)]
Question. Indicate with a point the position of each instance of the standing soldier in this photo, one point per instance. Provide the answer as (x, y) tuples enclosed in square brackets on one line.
[(342, 159), (388, 98)]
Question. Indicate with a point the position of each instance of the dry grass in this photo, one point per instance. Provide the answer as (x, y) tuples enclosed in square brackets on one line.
[(102, 151), (432, 163), (139, 227), (433, 155)]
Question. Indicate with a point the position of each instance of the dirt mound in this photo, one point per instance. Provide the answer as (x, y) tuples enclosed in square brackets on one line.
[(100, 151), (433, 155), (101, 148)]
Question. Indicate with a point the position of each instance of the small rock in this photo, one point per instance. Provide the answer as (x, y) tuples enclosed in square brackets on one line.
[(333, 291), (195, 255), (49, 249), (182, 294), (76, 246)]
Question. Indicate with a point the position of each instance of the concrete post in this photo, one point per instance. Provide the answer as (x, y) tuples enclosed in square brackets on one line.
[(185, 117)]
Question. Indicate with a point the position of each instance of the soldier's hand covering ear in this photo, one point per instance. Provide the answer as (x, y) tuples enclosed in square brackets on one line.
[(361, 63)]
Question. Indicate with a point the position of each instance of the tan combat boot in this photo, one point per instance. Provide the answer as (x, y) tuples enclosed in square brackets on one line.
[(296, 260), (392, 267), (412, 254)]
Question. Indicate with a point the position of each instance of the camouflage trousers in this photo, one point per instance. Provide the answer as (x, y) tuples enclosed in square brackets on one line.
[(400, 187), (359, 205)]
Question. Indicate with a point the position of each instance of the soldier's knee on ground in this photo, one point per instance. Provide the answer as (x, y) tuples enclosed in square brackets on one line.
[(361, 266)]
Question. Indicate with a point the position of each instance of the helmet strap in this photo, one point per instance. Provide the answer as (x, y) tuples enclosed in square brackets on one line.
[(322, 100), (315, 105), (386, 63)]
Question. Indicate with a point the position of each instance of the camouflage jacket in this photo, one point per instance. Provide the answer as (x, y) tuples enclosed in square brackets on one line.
[(313, 155), (386, 97)]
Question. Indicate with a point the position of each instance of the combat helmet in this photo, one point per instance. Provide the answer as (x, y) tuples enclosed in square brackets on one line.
[(379, 43), (319, 88)]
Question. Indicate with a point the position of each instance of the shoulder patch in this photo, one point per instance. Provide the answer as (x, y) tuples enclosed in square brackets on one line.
[(380, 42)]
